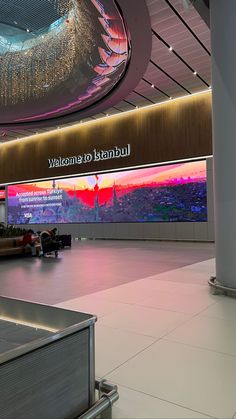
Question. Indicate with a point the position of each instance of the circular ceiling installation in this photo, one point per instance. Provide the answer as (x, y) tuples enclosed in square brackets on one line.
[(58, 56)]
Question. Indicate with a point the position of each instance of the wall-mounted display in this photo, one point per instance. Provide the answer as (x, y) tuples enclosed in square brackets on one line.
[(175, 192), (2, 194)]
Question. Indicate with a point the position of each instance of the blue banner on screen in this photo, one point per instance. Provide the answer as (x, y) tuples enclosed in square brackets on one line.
[(174, 192)]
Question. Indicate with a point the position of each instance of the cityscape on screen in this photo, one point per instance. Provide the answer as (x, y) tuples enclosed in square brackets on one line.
[(169, 193)]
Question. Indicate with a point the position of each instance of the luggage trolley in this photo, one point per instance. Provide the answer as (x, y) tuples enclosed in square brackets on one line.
[(48, 246)]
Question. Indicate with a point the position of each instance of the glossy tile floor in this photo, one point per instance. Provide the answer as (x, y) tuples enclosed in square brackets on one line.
[(168, 343), (92, 266)]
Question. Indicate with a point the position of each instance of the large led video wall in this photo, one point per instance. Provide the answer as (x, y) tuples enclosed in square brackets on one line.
[(169, 193)]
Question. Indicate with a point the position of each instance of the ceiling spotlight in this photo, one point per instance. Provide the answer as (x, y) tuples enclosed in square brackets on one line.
[(195, 73), (27, 30), (153, 86), (170, 48)]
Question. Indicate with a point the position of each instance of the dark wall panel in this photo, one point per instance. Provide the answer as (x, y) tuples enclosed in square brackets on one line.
[(175, 130)]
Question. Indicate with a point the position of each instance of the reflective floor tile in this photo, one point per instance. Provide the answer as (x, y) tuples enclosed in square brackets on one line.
[(193, 378), (145, 321), (210, 333), (93, 305), (224, 309), (114, 347), (135, 405)]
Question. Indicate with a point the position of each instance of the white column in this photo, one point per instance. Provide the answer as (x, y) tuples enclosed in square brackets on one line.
[(223, 35)]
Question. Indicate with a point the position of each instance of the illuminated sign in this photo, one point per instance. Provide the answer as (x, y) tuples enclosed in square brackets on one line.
[(95, 155), (175, 192), (2, 194)]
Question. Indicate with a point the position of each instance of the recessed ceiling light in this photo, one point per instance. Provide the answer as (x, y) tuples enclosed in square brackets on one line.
[(27, 30), (170, 48), (153, 86), (195, 73)]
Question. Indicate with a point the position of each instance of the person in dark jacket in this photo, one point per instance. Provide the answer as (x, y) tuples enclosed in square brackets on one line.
[(49, 243)]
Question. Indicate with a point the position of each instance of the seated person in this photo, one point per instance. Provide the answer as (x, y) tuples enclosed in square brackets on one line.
[(29, 241), (48, 241), (54, 236), (53, 232)]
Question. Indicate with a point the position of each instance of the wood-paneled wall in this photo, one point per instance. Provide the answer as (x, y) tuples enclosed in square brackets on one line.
[(175, 130)]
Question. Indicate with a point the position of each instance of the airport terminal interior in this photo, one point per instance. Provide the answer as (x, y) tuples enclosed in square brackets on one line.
[(117, 209)]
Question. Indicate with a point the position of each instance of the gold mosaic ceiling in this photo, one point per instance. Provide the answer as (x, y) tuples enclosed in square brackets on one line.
[(71, 59)]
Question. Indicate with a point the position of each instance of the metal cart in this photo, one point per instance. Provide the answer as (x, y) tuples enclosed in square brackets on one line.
[(47, 364)]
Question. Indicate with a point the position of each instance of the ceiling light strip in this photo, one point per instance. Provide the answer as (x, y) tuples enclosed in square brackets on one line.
[(164, 102), (120, 169), (188, 27)]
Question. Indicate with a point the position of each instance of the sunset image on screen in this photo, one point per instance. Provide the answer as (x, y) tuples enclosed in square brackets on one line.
[(175, 192)]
